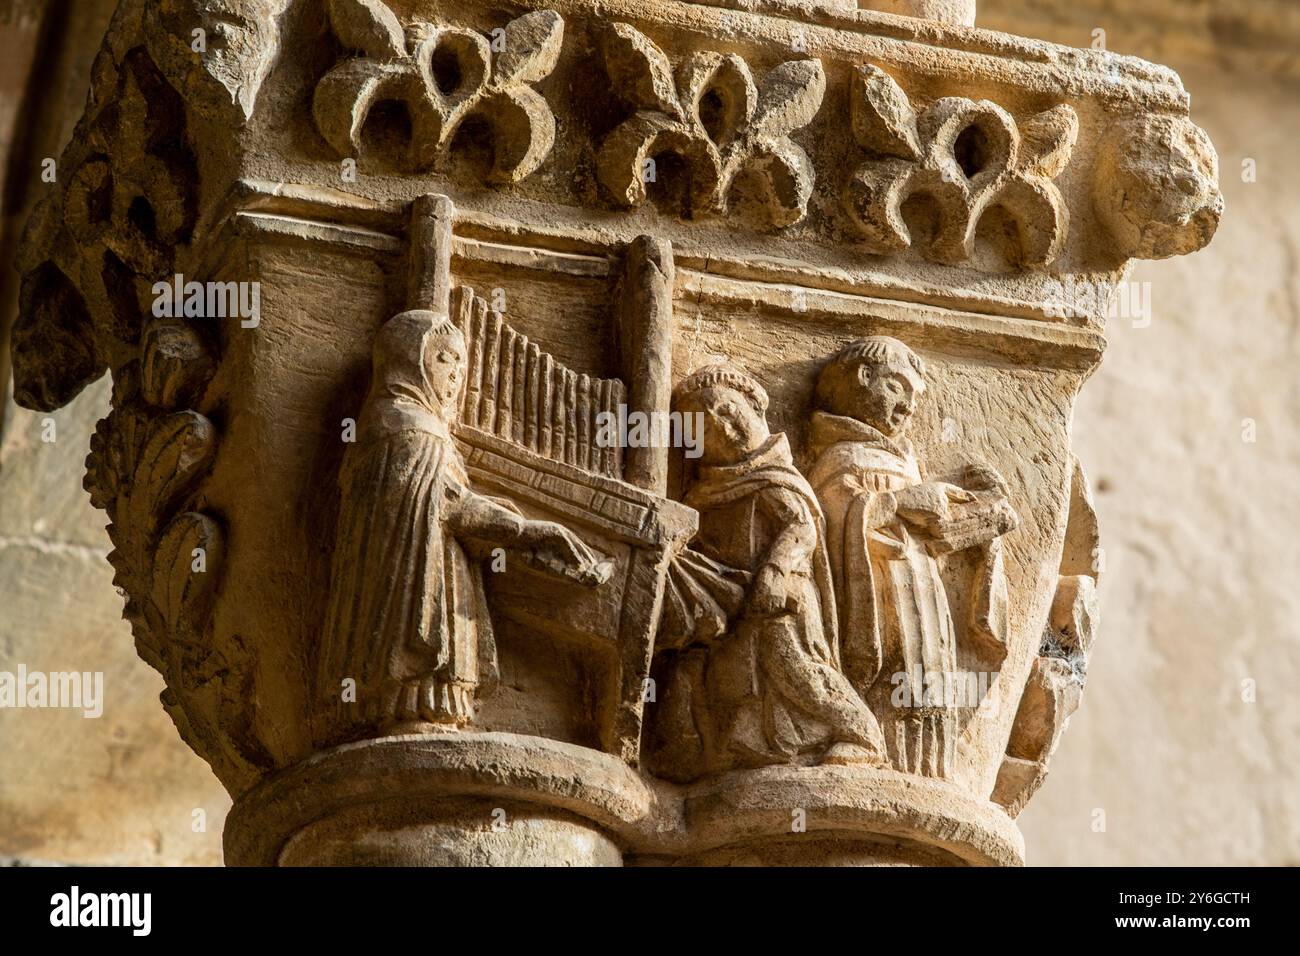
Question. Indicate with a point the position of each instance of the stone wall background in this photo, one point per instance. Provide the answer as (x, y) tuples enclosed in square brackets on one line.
[(1199, 526)]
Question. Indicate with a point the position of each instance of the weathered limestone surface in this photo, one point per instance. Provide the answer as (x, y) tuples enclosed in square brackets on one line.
[(907, 296), (1190, 501)]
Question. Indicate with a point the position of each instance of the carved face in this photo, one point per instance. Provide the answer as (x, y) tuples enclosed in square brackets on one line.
[(733, 428), (886, 397), (444, 371)]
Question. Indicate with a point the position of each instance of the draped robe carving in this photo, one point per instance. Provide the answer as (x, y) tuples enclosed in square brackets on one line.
[(747, 684), (407, 618), (894, 612)]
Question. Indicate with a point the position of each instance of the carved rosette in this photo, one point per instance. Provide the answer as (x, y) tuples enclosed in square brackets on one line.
[(713, 116), (444, 76)]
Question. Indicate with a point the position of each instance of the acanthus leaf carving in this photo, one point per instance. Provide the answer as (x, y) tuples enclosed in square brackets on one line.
[(146, 463), (493, 85), (968, 158), (715, 118)]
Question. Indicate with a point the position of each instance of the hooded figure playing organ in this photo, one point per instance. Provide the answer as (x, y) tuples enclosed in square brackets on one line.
[(886, 527), (407, 617), (750, 661)]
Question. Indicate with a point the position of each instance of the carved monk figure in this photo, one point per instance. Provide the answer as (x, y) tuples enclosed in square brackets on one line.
[(407, 619), (885, 525), (757, 677)]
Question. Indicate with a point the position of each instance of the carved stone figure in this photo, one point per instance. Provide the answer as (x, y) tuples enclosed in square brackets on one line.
[(886, 523), (408, 621), (755, 678)]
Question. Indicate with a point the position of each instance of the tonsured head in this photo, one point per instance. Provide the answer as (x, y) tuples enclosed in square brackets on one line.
[(733, 404), (876, 380)]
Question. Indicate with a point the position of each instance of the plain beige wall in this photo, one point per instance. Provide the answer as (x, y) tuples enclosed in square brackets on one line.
[(1199, 528)]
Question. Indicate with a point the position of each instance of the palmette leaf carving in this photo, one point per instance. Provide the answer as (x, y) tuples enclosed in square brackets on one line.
[(175, 365), (715, 119), (178, 448), (966, 157), (640, 71), (531, 46), (492, 85), (177, 589), (790, 98), (369, 27), (882, 117), (1048, 140)]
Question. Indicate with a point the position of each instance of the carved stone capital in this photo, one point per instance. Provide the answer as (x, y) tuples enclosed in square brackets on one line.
[(603, 433)]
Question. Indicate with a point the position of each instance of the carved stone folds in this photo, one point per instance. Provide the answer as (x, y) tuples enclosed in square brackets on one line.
[(969, 160), (655, 446), (443, 76), (716, 119)]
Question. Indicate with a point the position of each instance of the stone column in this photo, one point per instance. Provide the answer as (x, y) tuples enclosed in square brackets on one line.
[(411, 316)]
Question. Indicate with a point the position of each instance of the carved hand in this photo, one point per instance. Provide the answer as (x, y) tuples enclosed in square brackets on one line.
[(556, 547), (925, 504), (769, 593)]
